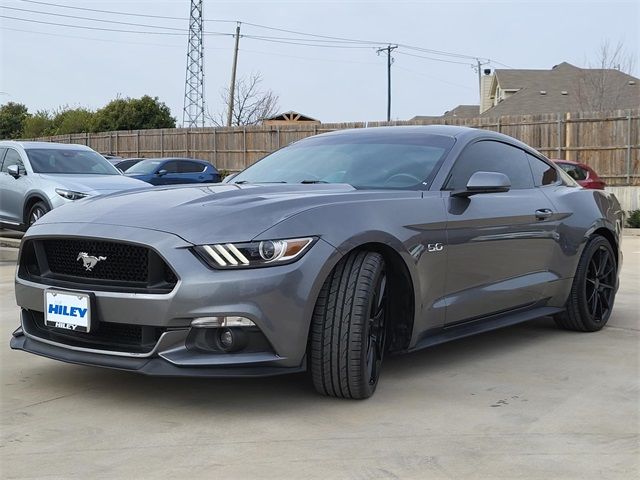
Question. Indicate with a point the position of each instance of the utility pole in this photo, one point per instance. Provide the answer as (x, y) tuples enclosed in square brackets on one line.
[(232, 87), (478, 67), (388, 49), (193, 111)]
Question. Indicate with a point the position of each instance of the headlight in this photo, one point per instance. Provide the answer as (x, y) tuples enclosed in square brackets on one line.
[(70, 194), (254, 254)]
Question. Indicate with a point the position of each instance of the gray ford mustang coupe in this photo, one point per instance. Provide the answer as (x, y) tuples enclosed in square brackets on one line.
[(326, 255)]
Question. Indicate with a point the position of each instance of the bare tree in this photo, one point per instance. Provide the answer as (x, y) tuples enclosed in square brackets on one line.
[(602, 86), (251, 104)]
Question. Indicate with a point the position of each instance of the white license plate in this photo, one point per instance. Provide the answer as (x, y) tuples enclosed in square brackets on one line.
[(68, 310)]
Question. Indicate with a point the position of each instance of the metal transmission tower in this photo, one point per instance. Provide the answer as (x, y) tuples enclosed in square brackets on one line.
[(193, 112)]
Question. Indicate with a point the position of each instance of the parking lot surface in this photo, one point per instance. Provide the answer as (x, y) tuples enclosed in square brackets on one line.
[(529, 401)]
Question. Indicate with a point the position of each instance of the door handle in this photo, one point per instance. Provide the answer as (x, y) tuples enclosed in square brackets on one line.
[(543, 213)]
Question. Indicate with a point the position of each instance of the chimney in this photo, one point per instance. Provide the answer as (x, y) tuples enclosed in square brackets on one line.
[(485, 90)]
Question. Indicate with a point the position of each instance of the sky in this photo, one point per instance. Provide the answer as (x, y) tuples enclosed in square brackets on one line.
[(49, 66)]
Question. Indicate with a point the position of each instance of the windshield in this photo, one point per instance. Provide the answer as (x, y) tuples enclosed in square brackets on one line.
[(363, 160), (144, 167), (69, 161)]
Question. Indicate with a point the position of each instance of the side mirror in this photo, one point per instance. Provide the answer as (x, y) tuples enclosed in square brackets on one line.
[(14, 171), (485, 182), (161, 173)]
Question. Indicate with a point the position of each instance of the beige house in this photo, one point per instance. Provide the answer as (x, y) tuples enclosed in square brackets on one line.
[(289, 118), (564, 88)]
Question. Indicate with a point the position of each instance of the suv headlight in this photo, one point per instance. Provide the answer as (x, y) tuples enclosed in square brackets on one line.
[(70, 194), (262, 253)]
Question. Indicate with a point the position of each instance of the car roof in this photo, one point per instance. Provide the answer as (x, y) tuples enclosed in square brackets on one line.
[(464, 134), (446, 130), (164, 159), (47, 145)]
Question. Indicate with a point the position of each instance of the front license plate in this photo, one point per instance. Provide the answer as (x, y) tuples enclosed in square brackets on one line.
[(68, 310)]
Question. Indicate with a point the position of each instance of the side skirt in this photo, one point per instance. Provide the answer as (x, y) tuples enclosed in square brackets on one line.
[(486, 324)]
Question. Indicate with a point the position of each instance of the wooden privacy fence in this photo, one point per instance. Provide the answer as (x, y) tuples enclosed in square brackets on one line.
[(607, 141)]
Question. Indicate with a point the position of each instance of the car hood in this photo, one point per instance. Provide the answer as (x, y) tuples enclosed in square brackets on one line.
[(93, 184), (212, 213)]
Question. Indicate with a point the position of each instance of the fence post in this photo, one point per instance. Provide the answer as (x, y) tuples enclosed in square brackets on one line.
[(162, 143), (186, 143), (138, 143), (628, 159), (116, 151), (215, 148), (499, 126), (568, 137), (278, 134), (559, 135), (244, 146)]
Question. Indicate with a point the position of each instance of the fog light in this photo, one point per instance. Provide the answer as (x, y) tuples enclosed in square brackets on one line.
[(218, 322), (226, 339)]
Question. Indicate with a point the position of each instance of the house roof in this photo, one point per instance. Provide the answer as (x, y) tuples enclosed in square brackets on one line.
[(564, 88), (291, 116), (466, 111)]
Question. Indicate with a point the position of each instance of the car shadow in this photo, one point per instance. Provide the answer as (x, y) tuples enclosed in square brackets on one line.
[(281, 393)]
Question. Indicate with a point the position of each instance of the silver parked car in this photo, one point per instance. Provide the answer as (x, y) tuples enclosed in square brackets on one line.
[(36, 177)]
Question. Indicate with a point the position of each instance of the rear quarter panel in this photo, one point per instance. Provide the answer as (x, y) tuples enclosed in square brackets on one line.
[(580, 212)]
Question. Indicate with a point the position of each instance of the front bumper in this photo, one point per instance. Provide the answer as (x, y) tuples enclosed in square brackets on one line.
[(154, 365), (279, 300)]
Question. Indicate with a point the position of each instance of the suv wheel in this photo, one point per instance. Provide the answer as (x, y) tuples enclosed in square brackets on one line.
[(593, 290), (348, 329), (37, 210)]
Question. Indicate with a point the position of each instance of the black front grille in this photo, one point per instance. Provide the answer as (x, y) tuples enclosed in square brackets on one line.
[(103, 336), (95, 265), (122, 262)]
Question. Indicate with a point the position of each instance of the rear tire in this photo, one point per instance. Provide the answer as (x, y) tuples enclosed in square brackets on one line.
[(348, 329), (35, 212), (594, 289)]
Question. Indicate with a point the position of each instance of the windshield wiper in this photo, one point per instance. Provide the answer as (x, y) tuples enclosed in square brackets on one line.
[(241, 182), (313, 181)]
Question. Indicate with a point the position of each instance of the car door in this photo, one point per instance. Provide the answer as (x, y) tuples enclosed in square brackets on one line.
[(13, 190), (499, 244), (171, 175)]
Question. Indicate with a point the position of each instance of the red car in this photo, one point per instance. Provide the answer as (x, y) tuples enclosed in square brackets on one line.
[(581, 173)]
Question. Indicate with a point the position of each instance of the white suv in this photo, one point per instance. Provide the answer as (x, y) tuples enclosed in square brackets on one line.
[(36, 177)]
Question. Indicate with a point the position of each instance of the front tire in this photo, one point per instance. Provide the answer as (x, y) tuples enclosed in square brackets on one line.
[(348, 329), (35, 212), (594, 289)]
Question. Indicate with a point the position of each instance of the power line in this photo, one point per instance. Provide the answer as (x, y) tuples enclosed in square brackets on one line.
[(273, 39), (108, 40), (91, 28), (435, 59), (268, 39), (92, 19)]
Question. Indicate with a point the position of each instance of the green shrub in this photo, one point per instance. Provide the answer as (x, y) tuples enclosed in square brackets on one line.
[(633, 219)]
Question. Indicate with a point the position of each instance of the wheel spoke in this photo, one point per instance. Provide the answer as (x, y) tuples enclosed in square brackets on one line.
[(604, 285), (604, 261), (604, 301)]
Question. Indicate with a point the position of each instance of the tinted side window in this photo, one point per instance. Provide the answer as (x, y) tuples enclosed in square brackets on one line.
[(170, 167), (574, 171), (191, 167), (490, 156), (12, 158), (543, 173)]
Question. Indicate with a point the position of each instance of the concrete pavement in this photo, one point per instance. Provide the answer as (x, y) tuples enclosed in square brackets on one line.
[(529, 401)]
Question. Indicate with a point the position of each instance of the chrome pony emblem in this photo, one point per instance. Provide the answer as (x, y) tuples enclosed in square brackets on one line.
[(89, 261)]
